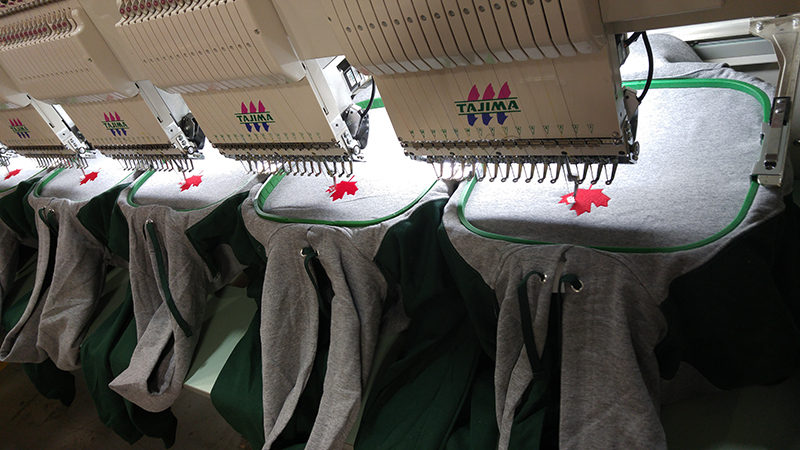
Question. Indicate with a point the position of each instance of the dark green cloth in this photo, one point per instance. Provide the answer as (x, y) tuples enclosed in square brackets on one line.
[(96, 215), (16, 212), (104, 355), (438, 393), (736, 318)]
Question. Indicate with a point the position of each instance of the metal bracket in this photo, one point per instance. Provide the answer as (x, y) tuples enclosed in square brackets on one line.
[(783, 129), (60, 127), (166, 114)]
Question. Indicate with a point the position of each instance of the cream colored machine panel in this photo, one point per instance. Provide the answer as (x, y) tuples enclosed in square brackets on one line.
[(53, 51), (22, 128), (268, 125), (116, 125), (189, 45)]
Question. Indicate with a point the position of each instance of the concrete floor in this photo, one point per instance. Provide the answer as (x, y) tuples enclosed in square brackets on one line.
[(28, 421)]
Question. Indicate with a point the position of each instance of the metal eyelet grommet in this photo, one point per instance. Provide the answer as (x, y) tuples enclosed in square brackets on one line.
[(576, 289), (543, 278)]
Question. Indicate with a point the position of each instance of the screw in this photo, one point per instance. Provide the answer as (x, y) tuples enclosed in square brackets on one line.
[(796, 143), (257, 31), (759, 26)]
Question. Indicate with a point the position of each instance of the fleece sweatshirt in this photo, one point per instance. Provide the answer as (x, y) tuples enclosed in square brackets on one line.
[(170, 281), (687, 199), (320, 248), (70, 267)]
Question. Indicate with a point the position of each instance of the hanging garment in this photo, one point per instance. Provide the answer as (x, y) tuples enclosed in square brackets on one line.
[(616, 253), (340, 248), (70, 270), (170, 281), (106, 350), (18, 234)]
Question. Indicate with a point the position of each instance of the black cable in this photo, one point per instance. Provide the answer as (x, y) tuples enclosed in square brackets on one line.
[(651, 66), (632, 39), (371, 98)]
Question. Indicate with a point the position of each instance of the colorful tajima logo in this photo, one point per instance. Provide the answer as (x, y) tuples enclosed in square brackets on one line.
[(20, 129), (115, 124), (488, 106), (255, 117)]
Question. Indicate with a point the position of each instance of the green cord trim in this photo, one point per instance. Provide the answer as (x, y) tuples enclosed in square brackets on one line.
[(162, 275), (15, 186), (757, 93), (736, 85), (37, 191), (273, 181), (377, 103), (145, 176)]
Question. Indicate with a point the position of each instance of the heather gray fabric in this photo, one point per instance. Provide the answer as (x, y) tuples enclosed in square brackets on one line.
[(9, 177), (164, 351), (67, 287), (377, 196), (609, 375), (219, 176), (672, 58), (682, 164), (290, 308)]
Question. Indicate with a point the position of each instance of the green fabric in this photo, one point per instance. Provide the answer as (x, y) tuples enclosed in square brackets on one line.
[(96, 214), (97, 371), (237, 392), (737, 317), (16, 212), (425, 398), (51, 382), (476, 427), (103, 356), (216, 229), (117, 233), (481, 301), (225, 226)]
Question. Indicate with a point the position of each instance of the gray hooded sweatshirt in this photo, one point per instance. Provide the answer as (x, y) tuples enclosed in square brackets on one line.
[(295, 219), (680, 205), (169, 280), (70, 267)]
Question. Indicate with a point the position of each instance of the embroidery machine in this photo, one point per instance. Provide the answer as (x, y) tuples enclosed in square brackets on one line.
[(514, 89), (523, 86), (229, 64), (57, 55), (37, 130)]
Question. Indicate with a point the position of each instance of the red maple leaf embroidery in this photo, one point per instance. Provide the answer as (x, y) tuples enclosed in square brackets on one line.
[(12, 173), (338, 190), (91, 176), (586, 197), (193, 180)]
